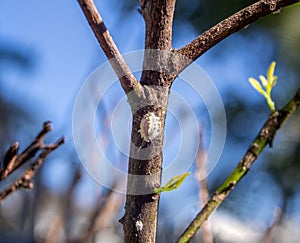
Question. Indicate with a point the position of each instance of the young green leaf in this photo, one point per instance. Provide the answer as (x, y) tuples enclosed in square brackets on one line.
[(173, 183), (263, 80), (271, 69), (268, 83), (256, 85)]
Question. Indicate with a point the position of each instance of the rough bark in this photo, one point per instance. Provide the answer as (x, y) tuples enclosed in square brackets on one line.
[(228, 26), (150, 96), (140, 219), (127, 79)]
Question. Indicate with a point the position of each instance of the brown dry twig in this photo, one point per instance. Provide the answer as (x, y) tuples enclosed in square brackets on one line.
[(127, 79), (270, 231), (201, 177), (13, 161), (109, 203)]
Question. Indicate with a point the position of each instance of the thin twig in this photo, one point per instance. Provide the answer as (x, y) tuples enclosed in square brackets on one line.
[(13, 161), (265, 136), (25, 181), (270, 232), (201, 175), (10, 155), (230, 25), (109, 204), (68, 207), (127, 79), (60, 227), (53, 234)]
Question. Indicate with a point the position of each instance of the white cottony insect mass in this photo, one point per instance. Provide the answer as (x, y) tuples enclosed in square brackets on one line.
[(139, 225), (150, 127)]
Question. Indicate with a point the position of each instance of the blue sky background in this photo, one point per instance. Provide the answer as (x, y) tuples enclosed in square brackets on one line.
[(64, 51)]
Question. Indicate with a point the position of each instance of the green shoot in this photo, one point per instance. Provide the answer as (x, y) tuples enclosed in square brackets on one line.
[(268, 84), (173, 183)]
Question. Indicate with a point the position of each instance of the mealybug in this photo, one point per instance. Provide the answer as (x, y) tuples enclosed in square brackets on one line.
[(150, 127)]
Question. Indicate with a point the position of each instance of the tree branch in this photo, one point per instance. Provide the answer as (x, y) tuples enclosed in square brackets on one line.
[(270, 231), (232, 24), (109, 203), (201, 177), (145, 162), (127, 79), (158, 16), (265, 136), (13, 161)]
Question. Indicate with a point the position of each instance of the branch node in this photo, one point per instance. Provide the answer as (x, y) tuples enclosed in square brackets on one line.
[(27, 184)]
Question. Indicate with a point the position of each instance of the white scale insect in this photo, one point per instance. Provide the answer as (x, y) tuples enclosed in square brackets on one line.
[(139, 225), (150, 127)]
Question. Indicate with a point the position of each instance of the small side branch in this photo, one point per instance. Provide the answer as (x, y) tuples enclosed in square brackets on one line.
[(127, 79), (109, 203), (232, 24), (201, 176), (265, 137), (270, 232), (13, 161)]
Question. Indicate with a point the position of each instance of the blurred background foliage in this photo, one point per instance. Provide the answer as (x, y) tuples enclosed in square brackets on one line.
[(65, 213)]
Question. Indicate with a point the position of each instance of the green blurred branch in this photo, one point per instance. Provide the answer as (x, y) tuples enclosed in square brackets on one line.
[(265, 136)]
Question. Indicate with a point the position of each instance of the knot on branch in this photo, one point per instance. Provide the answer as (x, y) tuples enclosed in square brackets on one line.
[(152, 96), (272, 4)]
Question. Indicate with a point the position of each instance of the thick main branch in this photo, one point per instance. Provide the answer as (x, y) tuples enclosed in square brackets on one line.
[(145, 163), (158, 16), (127, 79)]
